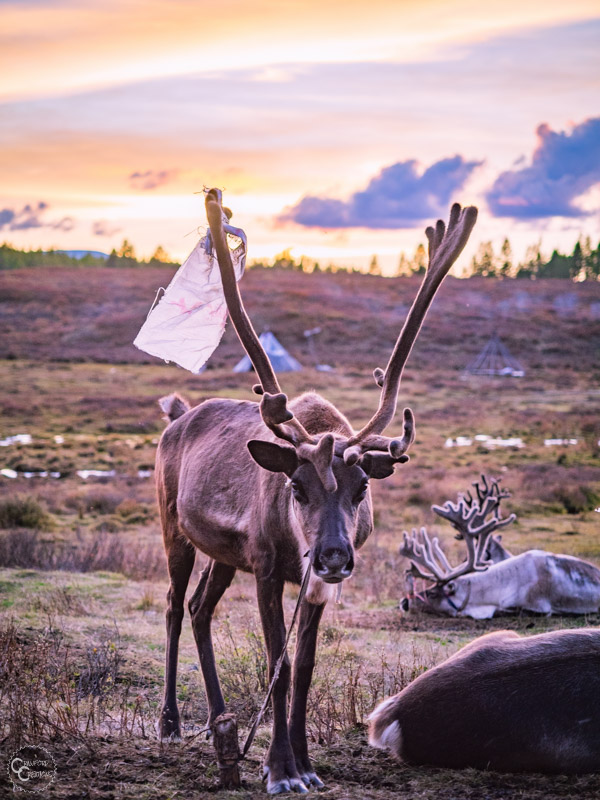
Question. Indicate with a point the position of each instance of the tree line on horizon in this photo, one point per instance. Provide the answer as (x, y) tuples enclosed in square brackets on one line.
[(583, 263), (14, 258)]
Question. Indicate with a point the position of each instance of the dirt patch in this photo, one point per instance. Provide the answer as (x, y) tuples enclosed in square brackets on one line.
[(113, 769)]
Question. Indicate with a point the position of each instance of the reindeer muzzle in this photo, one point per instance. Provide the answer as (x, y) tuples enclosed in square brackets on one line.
[(333, 564)]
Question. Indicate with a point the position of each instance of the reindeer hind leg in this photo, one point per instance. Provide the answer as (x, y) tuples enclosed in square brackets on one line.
[(214, 581), (180, 559)]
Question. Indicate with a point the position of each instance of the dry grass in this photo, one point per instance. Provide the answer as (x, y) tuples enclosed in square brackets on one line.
[(81, 605), (51, 691), (90, 692), (101, 550)]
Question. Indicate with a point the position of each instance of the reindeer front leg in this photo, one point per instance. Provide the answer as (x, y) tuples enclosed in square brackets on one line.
[(280, 764), (304, 662)]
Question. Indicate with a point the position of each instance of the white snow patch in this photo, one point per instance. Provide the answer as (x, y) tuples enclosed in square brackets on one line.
[(19, 438)]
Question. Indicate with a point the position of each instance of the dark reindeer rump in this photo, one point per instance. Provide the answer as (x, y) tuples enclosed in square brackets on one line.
[(507, 704)]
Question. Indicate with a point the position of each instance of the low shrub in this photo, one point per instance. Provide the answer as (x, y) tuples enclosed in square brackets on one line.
[(101, 553), (60, 692), (576, 499), (24, 512), (102, 501), (565, 489)]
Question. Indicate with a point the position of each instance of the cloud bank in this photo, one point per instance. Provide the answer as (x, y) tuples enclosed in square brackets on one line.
[(563, 167), (151, 179), (30, 216), (104, 228), (399, 197)]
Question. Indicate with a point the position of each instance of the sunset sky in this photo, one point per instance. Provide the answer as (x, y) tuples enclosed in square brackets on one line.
[(339, 129)]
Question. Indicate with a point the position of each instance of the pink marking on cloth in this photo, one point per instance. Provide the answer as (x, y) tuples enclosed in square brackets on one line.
[(183, 306)]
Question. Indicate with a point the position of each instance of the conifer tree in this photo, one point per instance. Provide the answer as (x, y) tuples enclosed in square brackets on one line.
[(374, 268), (418, 263), (506, 263)]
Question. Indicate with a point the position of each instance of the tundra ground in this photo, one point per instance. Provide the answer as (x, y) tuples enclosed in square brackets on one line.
[(82, 574)]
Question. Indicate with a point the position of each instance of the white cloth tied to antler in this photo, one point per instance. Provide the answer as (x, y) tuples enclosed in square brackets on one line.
[(189, 320)]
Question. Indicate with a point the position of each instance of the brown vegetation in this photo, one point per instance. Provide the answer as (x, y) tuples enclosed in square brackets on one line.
[(57, 324)]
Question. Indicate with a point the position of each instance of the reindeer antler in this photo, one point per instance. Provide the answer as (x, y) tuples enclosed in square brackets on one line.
[(469, 517), (425, 552), (274, 403), (381, 452), (445, 245)]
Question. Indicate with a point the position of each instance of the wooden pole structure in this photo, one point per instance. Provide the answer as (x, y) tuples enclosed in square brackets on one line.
[(225, 737)]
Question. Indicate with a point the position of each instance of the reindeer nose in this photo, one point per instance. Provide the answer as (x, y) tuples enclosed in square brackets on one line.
[(334, 558), (334, 563)]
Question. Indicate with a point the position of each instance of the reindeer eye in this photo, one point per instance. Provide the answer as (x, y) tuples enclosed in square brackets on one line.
[(299, 493), (361, 494), (451, 588)]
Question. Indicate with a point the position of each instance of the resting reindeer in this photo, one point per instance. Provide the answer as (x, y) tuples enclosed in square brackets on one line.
[(502, 702), (255, 487), (538, 581)]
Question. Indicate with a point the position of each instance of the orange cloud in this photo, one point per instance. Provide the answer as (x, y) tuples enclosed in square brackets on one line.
[(55, 47)]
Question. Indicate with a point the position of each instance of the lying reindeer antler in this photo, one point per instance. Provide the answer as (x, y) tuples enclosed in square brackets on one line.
[(468, 516), (426, 552)]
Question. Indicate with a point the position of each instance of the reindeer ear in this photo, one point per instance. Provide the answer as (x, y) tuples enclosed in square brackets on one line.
[(380, 465), (274, 457)]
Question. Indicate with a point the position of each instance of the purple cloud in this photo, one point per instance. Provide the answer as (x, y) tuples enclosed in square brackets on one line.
[(64, 224), (399, 197), (151, 179), (564, 166), (6, 217), (30, 216), (104, 228)]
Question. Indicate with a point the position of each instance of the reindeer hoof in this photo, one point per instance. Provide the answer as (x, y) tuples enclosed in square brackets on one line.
[(166, 733), (168, 726), (296, 785), (283, 785), (312, 779)]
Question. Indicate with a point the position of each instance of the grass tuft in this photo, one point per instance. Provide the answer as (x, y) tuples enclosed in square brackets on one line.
[(24, 511)]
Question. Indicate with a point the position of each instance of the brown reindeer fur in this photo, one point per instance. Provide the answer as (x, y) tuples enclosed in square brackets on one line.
[(215, 497), (502, 702)]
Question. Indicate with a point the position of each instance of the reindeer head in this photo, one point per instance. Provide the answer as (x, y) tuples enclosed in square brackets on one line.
[(329, 473), (326, 499), (475, 520)]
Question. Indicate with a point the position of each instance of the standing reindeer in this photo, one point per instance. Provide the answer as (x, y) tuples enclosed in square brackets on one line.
[(491, 579), (256, 486)]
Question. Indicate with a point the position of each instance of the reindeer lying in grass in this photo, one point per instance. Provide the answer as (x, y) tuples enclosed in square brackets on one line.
[(503, 702), (491, 579)]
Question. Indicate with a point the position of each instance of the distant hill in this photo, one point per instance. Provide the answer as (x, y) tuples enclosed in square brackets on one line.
[(82, 253), (93, 314)]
